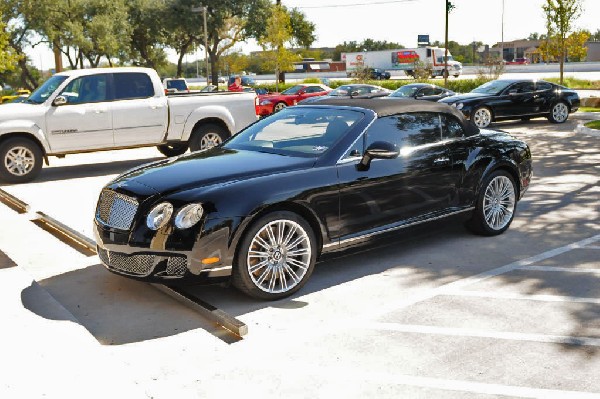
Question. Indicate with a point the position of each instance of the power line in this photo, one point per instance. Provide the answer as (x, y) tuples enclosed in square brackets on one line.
[(358, 4)]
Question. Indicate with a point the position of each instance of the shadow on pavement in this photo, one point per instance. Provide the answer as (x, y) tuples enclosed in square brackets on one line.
[(57, 173), (118, 310)]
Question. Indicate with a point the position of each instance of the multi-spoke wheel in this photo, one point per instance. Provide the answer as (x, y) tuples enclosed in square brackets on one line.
[(481, 117), (559, 113), (20, 160), (207, 136), (496, 204), (276, 256)]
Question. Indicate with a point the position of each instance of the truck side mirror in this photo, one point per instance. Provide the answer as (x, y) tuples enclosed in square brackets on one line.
[(59, 100)]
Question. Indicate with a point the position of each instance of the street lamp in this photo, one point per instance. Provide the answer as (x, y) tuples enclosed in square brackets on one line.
[(203, 10)]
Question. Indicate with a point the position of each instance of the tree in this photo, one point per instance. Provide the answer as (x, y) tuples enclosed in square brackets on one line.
[(365, 45), (8, 57), (595, 37), (148, 35), (277, 34), (575, 43), (560, 18)]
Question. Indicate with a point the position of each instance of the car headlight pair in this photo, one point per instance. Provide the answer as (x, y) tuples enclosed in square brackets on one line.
[(187, 216), (458, 105)]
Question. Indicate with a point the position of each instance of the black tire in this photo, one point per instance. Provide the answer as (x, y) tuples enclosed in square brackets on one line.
[(30, 160), (559, 112), (172, 150), (207, 136), (278, 266), (489, 206)]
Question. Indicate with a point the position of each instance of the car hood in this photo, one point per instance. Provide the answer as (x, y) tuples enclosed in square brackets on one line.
[(272, 96), (205, 168), (14, 111), (464, 97)]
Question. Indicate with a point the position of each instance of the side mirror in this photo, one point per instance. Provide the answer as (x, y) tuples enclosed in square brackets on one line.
[(301, 92), (512, 92), (378, 150), (420, 94), (59, 100)]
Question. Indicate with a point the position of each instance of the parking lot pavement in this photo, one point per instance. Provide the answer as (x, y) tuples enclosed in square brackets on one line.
[(436, 313)]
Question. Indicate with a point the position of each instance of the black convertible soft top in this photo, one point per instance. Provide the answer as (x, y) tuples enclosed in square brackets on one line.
[(385, 106)]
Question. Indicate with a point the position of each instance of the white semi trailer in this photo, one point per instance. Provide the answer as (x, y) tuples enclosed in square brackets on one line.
[(406, 60)]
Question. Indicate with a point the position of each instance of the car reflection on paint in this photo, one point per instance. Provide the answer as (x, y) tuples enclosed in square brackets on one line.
[(260, 209)]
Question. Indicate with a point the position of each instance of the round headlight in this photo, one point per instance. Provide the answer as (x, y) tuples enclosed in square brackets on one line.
[(188, 216), (459, 106), (159, 216)]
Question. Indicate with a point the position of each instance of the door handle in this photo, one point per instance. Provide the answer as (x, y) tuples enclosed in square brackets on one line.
[(99, 111), (441, 161)]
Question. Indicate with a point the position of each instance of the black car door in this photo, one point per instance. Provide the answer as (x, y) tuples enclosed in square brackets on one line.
[(394, 190), (516, 100), (545, 96)]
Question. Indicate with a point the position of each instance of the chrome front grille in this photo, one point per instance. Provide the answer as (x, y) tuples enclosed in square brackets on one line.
[(116, 210), (140, 265)]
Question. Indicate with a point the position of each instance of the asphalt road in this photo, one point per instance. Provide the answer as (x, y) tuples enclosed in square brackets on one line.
[(433, 313)]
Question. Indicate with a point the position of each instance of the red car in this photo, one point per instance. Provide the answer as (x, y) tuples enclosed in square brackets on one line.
[(518, 61), (269, 103)]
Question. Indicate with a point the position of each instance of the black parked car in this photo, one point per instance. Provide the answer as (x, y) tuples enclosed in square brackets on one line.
[(379, 74), (515, 99), (422, 91), (260, 209)]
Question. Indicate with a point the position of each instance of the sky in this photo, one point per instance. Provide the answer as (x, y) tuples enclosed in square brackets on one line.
[(401, 21)]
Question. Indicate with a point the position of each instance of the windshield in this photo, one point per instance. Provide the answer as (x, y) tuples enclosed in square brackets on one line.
[(405, 91), (493, 87), (293, 90), (45, 90), (441, 59), (297, 131)]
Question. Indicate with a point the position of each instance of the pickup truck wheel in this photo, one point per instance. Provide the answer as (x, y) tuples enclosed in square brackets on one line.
[(207, 136), (172, 150), (20, 160)]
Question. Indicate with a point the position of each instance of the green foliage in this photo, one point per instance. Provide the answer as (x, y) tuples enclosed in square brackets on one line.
[(8, 57), (593, 125), (574, 83), (589, 109)]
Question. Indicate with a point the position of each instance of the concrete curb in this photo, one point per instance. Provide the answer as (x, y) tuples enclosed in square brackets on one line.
[(586, 130), (589, 116)]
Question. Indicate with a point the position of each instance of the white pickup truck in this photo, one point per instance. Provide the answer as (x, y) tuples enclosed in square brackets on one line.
[(109, 108)]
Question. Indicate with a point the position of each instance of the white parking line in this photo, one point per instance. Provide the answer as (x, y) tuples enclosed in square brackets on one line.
[(541, 298), (559, 269), (459, 284), (465, 332)]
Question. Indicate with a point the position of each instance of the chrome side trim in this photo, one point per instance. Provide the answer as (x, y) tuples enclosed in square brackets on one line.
[(216, 269), (390, 229)]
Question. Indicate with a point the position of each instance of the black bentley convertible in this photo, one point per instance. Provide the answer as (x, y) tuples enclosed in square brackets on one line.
[(515, 99), (258, 210)]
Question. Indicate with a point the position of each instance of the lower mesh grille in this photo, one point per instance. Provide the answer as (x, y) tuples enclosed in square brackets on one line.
[(143, 265), (140, 265)]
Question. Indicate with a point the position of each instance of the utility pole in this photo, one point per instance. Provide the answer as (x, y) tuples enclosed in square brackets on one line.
[(449, 7), (202, 9), (502, 36)]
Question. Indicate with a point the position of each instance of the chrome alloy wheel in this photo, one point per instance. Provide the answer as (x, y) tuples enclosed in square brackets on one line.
[(210, 140), (560, 112), (499, 202), (482, 117), (279, 256), (19, 161)]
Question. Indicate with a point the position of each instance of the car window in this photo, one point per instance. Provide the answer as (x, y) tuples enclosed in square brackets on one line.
[(437, 91), (451, 127), (314, 89), (87, 89), (426, 91), (523, 87), (132, 85), (543, 86), (297, 131), (406, 130), (177, 84)]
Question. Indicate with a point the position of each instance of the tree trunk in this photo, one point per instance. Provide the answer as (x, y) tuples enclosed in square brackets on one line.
[(180, 64), (58, 66), (213, 58)]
